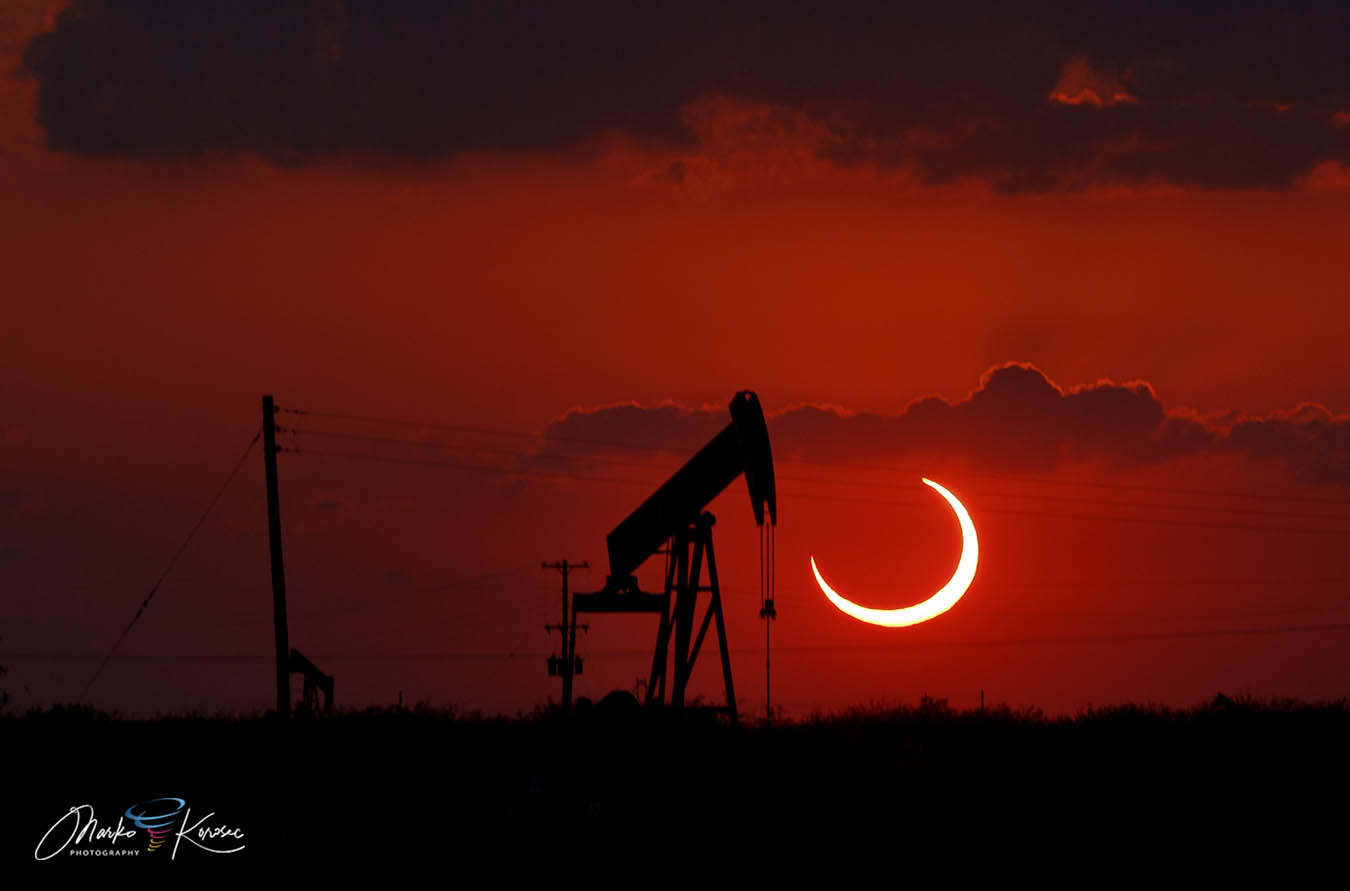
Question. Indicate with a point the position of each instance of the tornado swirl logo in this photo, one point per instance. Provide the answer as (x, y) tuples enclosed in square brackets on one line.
[(155, 817)]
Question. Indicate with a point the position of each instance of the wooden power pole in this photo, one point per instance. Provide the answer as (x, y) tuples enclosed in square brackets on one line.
[(269, 431)]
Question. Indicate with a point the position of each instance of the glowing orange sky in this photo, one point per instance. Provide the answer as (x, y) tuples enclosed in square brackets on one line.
[(149, 304)]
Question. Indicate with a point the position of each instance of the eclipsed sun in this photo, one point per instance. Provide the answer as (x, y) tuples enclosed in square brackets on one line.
[(936, 605)]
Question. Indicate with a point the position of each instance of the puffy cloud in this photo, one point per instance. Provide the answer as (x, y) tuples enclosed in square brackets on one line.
[(1314, 442), (1016, 420), (945, 94), (1079, 84), (1326, 176), (665, 426)]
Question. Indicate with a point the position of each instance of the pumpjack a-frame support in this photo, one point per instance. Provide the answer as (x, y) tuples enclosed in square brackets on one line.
[(690, 552)]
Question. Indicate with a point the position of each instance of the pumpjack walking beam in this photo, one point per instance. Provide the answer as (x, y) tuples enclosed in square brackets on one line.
[(674, 515)]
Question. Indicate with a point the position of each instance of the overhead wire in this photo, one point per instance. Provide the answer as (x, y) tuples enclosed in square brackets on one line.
[(594, 459), (454, 465), (1158, 521), (1153, 520), (545, 456), (154, 589), (909, 644), (489, 449), (490, 431), (865, 465), (605, 460)]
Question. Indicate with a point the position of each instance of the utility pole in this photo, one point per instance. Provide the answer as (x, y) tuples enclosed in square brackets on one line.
[(269, 431), (567, 629)]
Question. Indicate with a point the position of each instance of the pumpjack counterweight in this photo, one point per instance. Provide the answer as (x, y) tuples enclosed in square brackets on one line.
[(674, 517)]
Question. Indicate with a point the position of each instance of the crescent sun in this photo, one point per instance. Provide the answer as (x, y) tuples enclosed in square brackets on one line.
[(936, 605)]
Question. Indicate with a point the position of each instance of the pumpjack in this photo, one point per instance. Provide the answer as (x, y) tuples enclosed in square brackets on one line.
[(673, 521)]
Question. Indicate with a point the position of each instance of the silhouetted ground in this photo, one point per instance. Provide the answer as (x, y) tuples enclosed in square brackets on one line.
[(361, 784)]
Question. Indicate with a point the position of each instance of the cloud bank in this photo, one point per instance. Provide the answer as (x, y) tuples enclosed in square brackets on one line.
[(1016, 420), (1054, 96)]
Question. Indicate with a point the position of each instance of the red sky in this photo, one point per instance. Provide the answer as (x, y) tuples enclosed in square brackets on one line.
[(151, 298)]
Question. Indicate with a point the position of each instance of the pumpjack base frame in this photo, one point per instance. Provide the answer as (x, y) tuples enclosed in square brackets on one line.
[(691, 550)]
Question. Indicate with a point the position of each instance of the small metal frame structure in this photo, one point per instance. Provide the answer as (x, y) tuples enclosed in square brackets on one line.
[(316, 683), (691, 550)]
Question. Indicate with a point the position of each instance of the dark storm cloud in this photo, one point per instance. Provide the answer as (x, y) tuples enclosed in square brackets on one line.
[(1060, 95), (1016, 420)]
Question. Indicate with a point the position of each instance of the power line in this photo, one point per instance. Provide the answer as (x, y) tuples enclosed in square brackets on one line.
[(809, 480), (467, 655), (488, 431), (1049, 481), (864, 465), (173, 560), (1090, 638), (1160, 521), (508, 471), (1091, 501), (453, 465), (495, 450)]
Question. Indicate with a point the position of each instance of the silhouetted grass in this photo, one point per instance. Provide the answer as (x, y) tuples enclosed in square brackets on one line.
[(1227, 759)]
